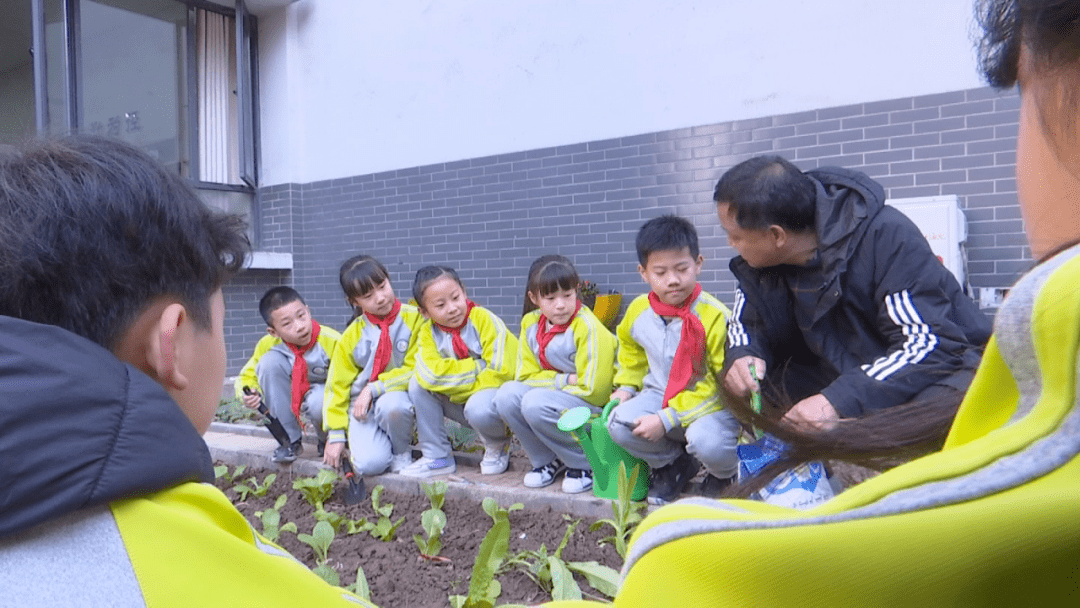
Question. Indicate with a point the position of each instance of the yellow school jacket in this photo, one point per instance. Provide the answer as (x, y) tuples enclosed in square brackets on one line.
[(586, 348), (318, 359), (647, 347), (350, 365), (492, 357)]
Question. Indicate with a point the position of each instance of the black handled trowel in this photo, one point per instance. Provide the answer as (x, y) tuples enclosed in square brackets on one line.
[(272, 424)]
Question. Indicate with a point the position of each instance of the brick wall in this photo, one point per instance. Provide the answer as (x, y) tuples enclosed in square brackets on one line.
[(490, 217)]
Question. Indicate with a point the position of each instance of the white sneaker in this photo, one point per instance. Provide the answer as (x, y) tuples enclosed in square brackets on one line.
[(544, 476), (399, 462), (430, 467), (496, 459), (577, 481)]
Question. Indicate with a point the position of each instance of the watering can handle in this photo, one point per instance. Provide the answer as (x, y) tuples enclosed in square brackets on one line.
[(604, 415)]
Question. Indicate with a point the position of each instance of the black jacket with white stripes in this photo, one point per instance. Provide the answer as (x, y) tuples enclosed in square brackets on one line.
[(889, 318)]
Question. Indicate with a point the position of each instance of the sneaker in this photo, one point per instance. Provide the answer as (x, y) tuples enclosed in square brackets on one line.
[(430, 467), (713, 486), (288, 453), (668, 482), (544, 476), (496, 459), (577, 481), (400, 462)]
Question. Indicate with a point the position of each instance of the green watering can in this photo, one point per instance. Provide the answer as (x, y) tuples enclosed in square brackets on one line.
[(604, 454)]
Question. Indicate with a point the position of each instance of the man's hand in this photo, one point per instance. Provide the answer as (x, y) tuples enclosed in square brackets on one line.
[(740, 381), (332, 453), (252, 399), (620, 395), (362, 403), (813, 413), (650, 427)]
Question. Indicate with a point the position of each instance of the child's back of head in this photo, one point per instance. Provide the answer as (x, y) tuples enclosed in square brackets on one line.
[(93, 230)]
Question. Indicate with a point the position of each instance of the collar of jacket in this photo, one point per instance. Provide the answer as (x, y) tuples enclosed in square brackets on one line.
[(80, 428)]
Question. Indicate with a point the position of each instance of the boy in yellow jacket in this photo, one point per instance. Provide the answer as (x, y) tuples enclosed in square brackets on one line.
[(288, 368), (671, 345), (112, 355)]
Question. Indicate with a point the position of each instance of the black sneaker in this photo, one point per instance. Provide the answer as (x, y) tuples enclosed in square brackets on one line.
[(668, 482), (713, 486), (543, 476), (288, 453)]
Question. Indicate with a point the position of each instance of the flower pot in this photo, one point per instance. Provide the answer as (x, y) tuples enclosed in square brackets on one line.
[(607, 308)]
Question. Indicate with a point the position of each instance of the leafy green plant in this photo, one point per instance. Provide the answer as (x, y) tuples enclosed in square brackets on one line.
[(322, 535), (626, 513), (483, 588), (555, 575), (253, 486), (271, 520), (433, 521), (336, 520), (496, 512), (462, 438), (360, 587), (222, 472), (383, 529), (234, 410), (318, 489)]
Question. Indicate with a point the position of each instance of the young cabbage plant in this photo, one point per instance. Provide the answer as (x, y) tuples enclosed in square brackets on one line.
[(271, 520), (319, 540), (627, 514), (317, 490), (384, 529), (484, 590), (360, 588)]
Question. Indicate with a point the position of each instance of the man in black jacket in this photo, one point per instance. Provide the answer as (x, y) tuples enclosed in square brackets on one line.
[(841, 305)]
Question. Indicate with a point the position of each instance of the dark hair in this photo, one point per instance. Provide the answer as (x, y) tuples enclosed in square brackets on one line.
[(548, 274), (275, 298), (666, 233), (428, 275), (92, 230), (1050, 31), (359, 276), (768, 190)]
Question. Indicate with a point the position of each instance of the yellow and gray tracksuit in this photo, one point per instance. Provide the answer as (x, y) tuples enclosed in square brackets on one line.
[(533, 403), (695, 418), (269, 371), (462, 389), (101, 501), (387, 430)]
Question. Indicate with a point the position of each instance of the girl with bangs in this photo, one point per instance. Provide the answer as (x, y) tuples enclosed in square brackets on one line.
[(370, 371), (565, 359)]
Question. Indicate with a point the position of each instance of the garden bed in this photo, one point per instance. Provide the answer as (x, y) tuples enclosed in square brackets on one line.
[(396, 573)]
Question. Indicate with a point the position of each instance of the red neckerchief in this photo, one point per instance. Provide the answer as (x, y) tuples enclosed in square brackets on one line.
[(382, 351), (300, 383), (544, 335), (460, 350), (689, 356)]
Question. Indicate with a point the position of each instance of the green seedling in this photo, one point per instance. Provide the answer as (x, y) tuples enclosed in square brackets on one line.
[(360, 587), (253, 486), (222, 472), (271, 520), (555, 575), (626, 513), (336, 520), (484, 590), (433, 522), (318, 489), (319, 540), (384, 529), (494, 511)]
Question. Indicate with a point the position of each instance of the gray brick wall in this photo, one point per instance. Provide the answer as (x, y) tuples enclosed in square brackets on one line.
[(490, 217)]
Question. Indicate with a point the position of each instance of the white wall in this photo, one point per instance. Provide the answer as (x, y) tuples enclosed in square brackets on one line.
[(358, 86)]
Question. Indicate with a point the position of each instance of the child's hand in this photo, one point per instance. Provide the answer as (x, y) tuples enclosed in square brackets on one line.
[(571, 380), (620, 395), (332, 454), (362, 403), (650, 427), (252, 399)]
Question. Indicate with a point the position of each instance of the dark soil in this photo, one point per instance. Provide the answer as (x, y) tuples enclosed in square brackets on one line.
[(396, 573)]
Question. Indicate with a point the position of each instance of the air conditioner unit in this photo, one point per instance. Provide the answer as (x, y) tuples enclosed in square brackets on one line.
[(943, 224)]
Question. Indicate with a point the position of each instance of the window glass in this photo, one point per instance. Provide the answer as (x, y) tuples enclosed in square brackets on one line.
[(133, 83), (16, 74)]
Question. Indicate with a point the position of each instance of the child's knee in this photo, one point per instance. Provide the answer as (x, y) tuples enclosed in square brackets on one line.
[(370, 464)]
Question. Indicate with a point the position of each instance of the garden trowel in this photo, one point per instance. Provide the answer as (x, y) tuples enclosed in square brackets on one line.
[(272, 424), (355, 491)]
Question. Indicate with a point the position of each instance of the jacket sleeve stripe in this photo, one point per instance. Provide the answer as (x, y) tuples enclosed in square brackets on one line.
[(920, 340), (736, 331)]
